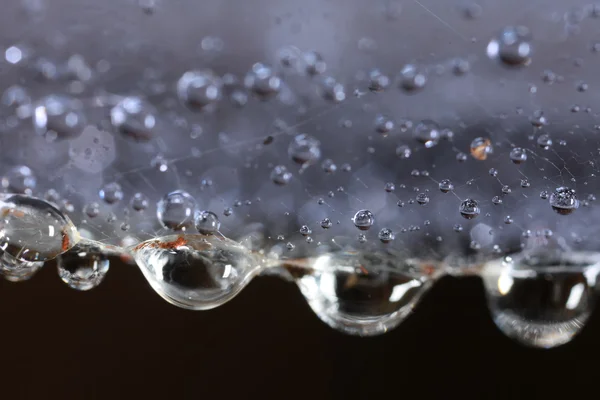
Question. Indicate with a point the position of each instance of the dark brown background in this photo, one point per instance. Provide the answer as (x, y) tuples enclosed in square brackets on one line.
[(123, 341)]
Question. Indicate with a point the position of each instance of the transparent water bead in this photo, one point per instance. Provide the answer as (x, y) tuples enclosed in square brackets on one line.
[(198, 89), (542, 299), (84, 266), (196, 272), (59, 114), (32, 229), (15, 270), (175, 210), (362, 294), (134, 118), (512, 46)]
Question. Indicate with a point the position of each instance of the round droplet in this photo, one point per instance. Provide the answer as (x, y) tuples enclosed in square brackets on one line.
[(363, 220), (403, 151), (461, 157), (378, 82), (481, 148), (354, 294), (422, 198), (332, 90), (384, 124), (59, 114), (92, 209), (34, 230), (15, 270), (512, 47), (427, 132), (544, 141), (199, 89), (564, 201), (446, 185), (389, 187), (305, 230), (542, 299), (207, 222), (411, 79), (175, 210), (538, 119), (111, 192), (497, 200), (280, 175), (84, 266), (493, 172), (518, 155), (263, 82), (304, 149), (469, 209), (326, 223), (139, 202), (386, 235), (328, 166), (314, 63), (134, 118), (196, 272), (19, 179)]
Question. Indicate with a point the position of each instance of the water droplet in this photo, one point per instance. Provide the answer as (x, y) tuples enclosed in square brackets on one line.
[(196, 272), (363, 220), (228, 211), (544, 141), (60, 115), (564, 201), (134, 118), (357, 294), (92, 209), (497, 200), (263, 82), (332, 90), (538, 119), (518, 155), (304, 149), (525, 183), (461, 157), (481, 148), (403, 151), (207, 222), (176, 210), (384, 124), (508, 220), (512, 47), (84, 266), (411, 79), (458, 228), (386, 235), (34, 230), (111, 192), (326, 223), (469, 209), (446, 185), (139, 202), (280, 175), (15, 270), (199, 89), (506, 189), (422, 198), (427, 132), (305, 230), (378, 81), (19, 179), (159, 163), (542, 300), (460, 66), (314, 63), (329, 166), (389, 187), (493, 172)]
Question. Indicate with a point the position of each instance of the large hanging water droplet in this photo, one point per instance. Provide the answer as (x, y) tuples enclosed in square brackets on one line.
[(198, 89), (135, 118), (176, 210), (564, 201), (542, 299), (32, 229), (512, 47), (362, 294), (15, 270), (196, 272), (84, 266)]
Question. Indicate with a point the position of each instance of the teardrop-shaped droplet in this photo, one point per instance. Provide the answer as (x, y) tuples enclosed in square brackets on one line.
[(15, 270), (196, 272), (542, 299), (32, 229), (362, 294), (84, 266)]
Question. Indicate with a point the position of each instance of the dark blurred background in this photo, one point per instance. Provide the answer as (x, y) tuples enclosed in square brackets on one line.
[(121, 340)]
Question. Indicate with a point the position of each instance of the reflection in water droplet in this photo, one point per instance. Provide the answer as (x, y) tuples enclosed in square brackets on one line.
[(84, 266), (564, 201), (198, 89), (33, 230), (512, 47), (14, 270), (362, 294), (196, 272), (543, 299)]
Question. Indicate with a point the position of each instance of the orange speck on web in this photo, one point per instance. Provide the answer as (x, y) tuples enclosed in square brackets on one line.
[(180, 241), (65, 240)]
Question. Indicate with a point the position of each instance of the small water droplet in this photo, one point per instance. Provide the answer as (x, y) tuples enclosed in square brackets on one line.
[(386, 235), (469, 209), (411, 79), (84, 266), (544, 141), (280, 175), (363, 220), (207, 222), (199, 89), (304, 149), (564, 201), (134, 118), (446, 185), (111, 193), (512, 46), (263, 82), (326, 223), (518, 155), (176, 210), (427, 132)]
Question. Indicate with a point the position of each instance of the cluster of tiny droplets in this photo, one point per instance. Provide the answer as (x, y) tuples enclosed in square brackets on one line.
[(325, 171)]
